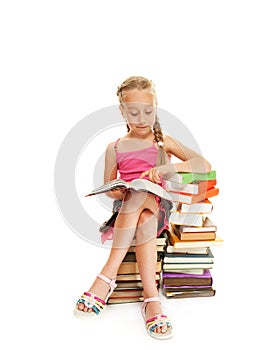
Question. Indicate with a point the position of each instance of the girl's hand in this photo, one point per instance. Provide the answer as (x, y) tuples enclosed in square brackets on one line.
[(153, 175), (118, 193)]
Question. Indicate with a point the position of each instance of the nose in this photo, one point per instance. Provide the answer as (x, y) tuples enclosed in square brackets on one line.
[(142, 119)]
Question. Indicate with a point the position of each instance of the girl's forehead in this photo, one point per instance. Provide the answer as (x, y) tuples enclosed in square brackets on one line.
[(139, 97)]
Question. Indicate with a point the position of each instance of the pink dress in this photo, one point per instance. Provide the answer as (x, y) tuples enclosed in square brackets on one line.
[(130, 166)]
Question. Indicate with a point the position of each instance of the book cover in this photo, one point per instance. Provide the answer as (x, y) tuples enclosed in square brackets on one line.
[(188, 258), (169, 276), (119, 293), (188, 250), (198, 235), (134, 277), (203, 207), (127, 285), (187, 271), (183, 266), (208, 225), (184, 288), (191, 293), (191, 188), (177, 243), (185, 178), (187, 219), (194, 198), (131, 267), (121, 300)]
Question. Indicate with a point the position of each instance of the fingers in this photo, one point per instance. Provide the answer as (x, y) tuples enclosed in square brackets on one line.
[(152, 174)]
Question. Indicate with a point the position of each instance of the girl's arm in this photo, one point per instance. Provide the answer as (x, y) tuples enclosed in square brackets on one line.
[(192, 162), (110, 171)]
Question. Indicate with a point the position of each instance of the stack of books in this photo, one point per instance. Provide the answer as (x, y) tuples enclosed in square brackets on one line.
[(129, 284), (188, 259)]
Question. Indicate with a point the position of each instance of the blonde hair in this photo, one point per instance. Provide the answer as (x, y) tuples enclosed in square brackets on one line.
[(141, 83)]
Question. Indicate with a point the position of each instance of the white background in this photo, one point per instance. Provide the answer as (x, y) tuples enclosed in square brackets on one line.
[(60, 61)]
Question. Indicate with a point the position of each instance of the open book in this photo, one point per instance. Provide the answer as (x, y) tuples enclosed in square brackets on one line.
[(137, 185)]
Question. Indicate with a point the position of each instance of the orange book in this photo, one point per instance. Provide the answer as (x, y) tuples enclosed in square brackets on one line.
[(195, 198), (205, 195), (204, 186), (191, 188)]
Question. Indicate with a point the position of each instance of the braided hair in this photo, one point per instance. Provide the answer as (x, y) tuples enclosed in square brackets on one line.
[(141, 83)]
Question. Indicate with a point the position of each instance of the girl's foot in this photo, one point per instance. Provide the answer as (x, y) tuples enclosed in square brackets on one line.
[(158, 325), (101, 288), (152, 309)]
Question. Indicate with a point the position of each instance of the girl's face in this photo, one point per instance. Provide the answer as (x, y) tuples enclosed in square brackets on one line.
[(138, 109)]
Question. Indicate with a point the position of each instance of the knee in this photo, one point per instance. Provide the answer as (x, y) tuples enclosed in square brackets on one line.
[(147, 227), (133, 202), (145, 216)]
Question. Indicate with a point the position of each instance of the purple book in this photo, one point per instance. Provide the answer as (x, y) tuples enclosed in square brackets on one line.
[(186, 287), (206, 274)]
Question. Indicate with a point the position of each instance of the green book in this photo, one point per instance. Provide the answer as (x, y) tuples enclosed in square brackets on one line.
[(186, 178)]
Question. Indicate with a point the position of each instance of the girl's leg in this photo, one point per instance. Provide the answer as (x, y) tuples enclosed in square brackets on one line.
[(100, 287), (124, 230), (146, 256)]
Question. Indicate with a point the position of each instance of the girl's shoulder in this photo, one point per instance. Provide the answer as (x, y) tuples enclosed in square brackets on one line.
[(171, 144), (169, 141), (110, 148)]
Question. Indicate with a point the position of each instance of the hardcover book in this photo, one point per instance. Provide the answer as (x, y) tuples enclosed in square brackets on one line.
[(209, 292), (188, 258), (198, 235), (207, 226), (178, 243), (203, 207), (191, 188), (180, 279), (185, 178)]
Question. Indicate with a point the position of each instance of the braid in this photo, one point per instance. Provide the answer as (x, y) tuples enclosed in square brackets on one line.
[(161, 156)]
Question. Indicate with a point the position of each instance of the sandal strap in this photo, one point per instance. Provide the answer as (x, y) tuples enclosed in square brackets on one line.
[(156, 321), (146, 301), (92, 301), (112, 284)]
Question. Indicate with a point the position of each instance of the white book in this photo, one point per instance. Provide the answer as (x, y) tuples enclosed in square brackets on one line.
[(136, 184), (177, 260), (186, 219), (204, 207), (173, 266), (193, 250), (184, 188)]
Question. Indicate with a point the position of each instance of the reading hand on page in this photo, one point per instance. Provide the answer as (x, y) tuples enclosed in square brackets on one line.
[(153, 175)]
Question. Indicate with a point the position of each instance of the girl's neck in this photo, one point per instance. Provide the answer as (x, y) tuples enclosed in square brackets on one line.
[(149, 137)]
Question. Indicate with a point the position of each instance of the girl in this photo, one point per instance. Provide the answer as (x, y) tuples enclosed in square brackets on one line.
[(143, 152)]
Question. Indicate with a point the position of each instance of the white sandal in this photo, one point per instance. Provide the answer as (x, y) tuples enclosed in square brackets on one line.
[(90, 300), (158, 320)]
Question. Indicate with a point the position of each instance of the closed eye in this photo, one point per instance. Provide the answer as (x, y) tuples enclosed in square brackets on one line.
[(149, 111)]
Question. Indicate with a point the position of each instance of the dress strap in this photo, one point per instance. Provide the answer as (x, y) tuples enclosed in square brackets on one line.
[(116, 143)]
